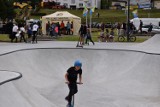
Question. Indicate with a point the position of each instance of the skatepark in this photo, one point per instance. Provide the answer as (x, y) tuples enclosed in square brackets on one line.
[(114, 74)]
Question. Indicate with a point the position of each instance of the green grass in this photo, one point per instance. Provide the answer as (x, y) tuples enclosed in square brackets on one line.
[(95, 35), (106, 15), (5, 38)]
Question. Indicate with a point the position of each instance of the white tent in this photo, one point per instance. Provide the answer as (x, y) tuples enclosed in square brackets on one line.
[(62, 16)]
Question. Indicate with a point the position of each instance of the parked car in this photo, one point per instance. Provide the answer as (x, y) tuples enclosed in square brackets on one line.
[(108, 25), (94, 24), (59, 7), (155, 29), (98, 25)]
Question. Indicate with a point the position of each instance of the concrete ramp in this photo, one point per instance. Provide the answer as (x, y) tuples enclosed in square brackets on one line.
[(150, 46), (153, 40), (111, 78), (125, 76)]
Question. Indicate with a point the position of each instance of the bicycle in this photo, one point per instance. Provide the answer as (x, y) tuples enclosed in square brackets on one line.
[(132, 37)]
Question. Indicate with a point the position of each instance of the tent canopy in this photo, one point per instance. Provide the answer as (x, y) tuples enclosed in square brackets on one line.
[(62, 16)]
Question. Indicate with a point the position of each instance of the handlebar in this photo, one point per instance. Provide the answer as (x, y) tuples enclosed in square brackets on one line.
[(76, 83)]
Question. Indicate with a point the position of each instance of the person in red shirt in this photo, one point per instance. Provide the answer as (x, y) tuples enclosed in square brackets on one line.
[(62, 27)]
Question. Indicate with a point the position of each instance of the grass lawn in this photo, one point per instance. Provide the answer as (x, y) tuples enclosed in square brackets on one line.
[(106, 15), (4, 37), (95, 35)]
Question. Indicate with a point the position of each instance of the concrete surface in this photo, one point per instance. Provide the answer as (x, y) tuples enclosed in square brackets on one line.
[(114, 74)]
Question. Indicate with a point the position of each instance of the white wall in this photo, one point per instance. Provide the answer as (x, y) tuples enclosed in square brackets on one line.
[(91, 3)]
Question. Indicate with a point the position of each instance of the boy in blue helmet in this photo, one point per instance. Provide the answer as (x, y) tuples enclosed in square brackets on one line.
[(71, 79)]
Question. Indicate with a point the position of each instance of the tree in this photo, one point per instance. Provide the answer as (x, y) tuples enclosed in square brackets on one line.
[(10, 9), (6, 9), (3, 10)]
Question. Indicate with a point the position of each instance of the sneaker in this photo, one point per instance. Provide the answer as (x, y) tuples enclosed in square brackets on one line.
[(66, 98)]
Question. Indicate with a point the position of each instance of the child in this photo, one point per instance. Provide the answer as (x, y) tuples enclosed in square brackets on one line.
[(71, 79), (101, 37), (89, 37), (107, 35), (111, 36)]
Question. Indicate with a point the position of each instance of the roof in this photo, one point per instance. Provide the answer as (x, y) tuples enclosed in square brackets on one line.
[(61, 14)]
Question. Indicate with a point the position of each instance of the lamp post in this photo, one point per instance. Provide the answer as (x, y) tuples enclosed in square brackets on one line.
[(128, 20)]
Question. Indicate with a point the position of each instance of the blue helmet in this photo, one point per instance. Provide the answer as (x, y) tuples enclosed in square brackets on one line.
[(78, 63)]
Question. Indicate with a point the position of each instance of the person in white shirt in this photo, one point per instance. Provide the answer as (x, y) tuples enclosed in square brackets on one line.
[(34, 29), (22, 34), (14, 32)]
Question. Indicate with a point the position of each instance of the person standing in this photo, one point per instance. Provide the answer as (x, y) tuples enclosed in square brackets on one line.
[(97, 14), (53, 29), (14, 32), (140, 26), (89, 37), (150, 29), (29, 32), (48, 25), (71, 79), (56, 31), (35, 30), (68, 28), (62, 27), (81, 38), (22, 33)]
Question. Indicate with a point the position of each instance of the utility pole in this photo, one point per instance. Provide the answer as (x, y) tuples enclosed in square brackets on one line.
[(128, 20)]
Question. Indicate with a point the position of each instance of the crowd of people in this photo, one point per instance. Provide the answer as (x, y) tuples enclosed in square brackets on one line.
[(85, 35), (19, 31), (56, 29), (106, 36)]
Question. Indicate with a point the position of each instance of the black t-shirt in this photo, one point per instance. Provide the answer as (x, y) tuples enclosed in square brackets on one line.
[(72, 74)]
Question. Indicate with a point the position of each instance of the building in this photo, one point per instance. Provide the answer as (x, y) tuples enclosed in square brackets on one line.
[(118, 5), (156, 4), (140, 3), (145, 3), (76, 4)]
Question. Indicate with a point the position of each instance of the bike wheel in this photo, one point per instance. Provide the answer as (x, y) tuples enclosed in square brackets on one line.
[(121, 38), (132, 38)]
